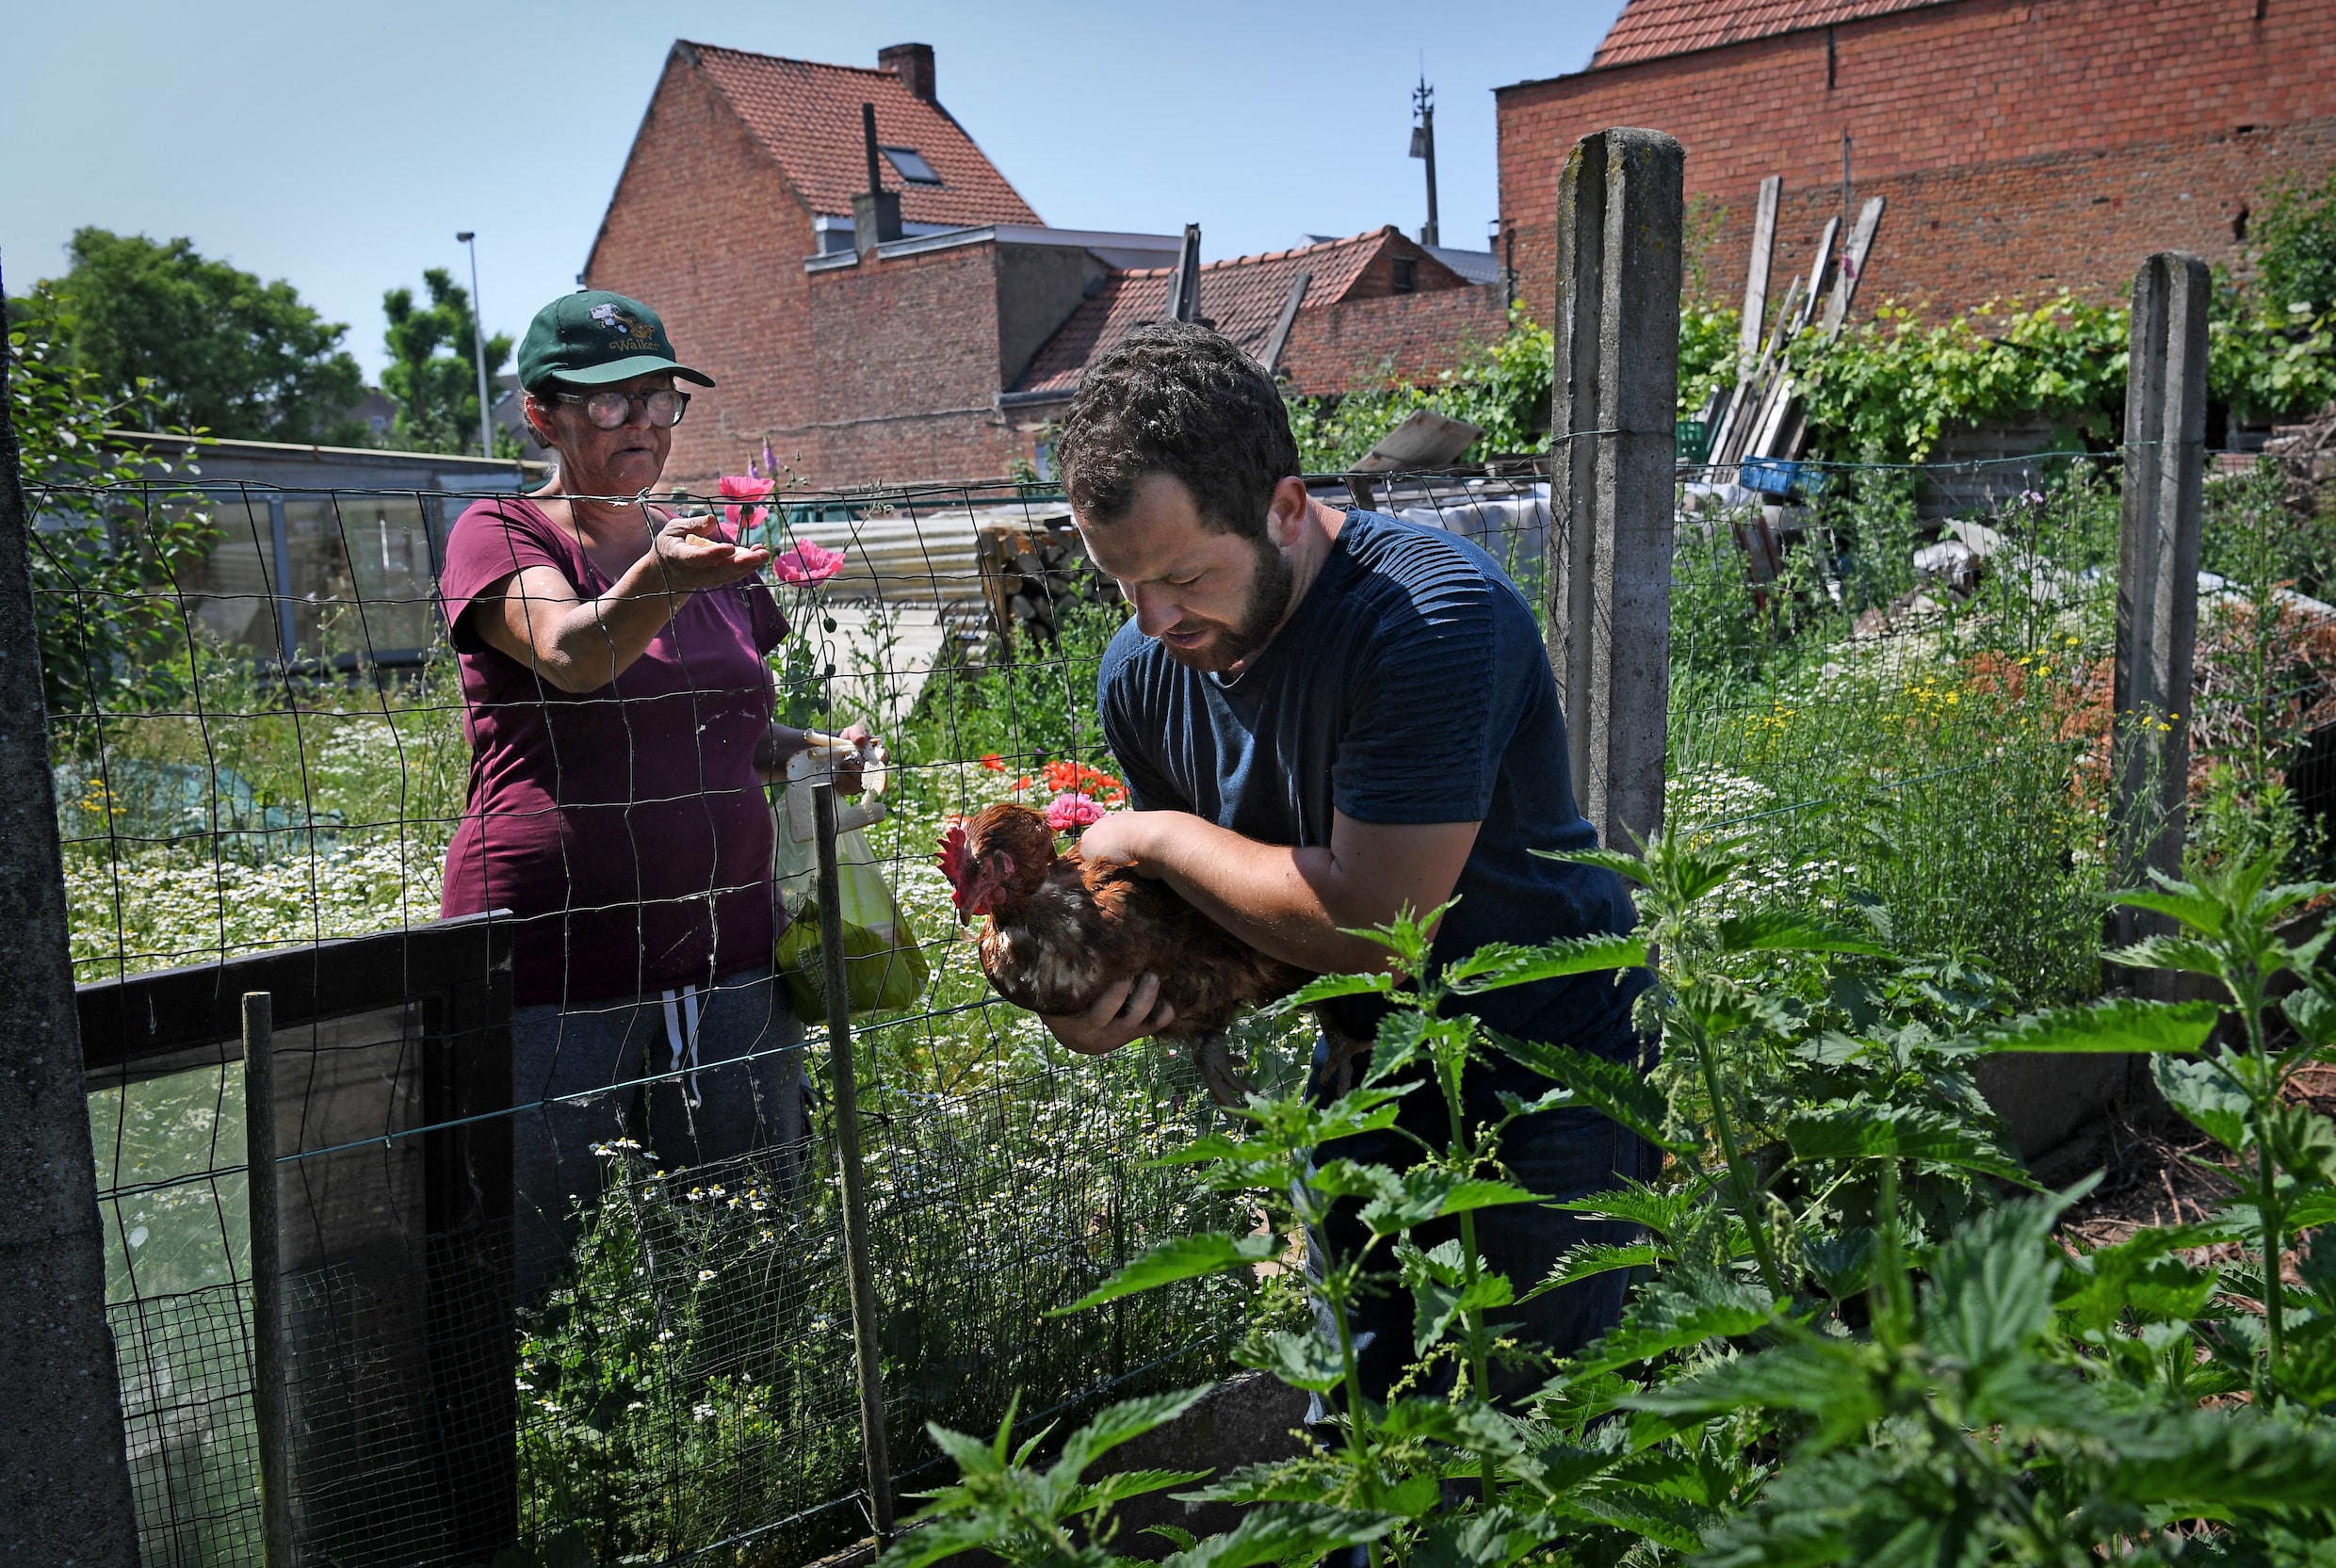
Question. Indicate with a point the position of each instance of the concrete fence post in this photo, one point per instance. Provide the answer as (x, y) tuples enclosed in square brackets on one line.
[(2157, 613), (1614, 414), (64, 1480), (2053, 1105)]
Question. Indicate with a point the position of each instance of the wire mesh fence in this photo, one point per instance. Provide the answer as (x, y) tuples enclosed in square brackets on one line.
[(607, 1315), (256, 760)]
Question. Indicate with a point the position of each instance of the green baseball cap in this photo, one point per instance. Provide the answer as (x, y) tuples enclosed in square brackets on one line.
[(594, 337)]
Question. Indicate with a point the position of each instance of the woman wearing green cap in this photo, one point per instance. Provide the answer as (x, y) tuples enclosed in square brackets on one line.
[(620, 714)]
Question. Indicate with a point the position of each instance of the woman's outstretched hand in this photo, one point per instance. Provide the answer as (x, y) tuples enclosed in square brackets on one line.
[(691, 557)]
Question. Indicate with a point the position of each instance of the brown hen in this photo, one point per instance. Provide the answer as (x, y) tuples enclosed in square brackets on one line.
[(1061, 931)]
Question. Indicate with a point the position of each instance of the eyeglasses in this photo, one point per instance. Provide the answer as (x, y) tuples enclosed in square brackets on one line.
[(609, 411)]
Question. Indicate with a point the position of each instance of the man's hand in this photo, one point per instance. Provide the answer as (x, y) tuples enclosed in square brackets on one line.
[(1128, 1010), (1118, 841), (1294, 904)]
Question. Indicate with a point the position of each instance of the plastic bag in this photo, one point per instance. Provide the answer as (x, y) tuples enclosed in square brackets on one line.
[(884, 965)]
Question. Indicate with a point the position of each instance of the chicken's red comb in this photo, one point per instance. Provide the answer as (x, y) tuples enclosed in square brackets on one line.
[(957, 861)]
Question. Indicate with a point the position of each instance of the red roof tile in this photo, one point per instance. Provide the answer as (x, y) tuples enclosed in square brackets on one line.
[(807, 115), (1650, 29), (1242, 298)]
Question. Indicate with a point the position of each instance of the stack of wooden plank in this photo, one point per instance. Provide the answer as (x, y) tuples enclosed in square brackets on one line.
[(922, 584), (1762, 416), (1032, 567)]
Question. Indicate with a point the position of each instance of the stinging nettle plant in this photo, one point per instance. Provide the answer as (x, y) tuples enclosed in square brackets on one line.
[(1842, 1345)]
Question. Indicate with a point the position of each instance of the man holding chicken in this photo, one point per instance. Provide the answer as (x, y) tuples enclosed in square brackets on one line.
[(1324, 716)]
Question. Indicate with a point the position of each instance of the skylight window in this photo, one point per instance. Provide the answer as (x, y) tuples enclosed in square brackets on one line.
[(911, 166)]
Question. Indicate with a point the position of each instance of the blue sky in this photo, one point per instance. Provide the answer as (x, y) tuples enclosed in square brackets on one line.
[(341, 146)]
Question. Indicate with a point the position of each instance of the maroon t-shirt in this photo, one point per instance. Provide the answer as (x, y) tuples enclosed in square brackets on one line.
[(625, 826)]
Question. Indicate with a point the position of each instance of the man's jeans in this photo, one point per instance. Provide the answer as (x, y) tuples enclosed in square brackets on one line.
[(726, 1084), (1571, 1153)]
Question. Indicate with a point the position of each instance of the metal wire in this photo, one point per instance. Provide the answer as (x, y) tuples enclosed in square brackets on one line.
[(260, 746)]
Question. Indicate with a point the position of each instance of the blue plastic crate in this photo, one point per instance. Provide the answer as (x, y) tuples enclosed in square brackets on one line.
[(1780, 478)]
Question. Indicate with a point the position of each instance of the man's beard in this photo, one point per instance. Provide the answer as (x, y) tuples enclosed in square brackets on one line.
[(1269, 601)]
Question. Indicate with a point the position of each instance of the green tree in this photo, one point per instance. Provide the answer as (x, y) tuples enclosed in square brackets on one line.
[(114, 538), (434, 376), (2295, 249), (214, 346)]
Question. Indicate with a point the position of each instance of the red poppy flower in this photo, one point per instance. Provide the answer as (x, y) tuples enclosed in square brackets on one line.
[(744, 487), (807, 563)]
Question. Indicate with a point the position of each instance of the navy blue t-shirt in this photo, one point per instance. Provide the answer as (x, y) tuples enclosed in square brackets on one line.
[(1409, 686)]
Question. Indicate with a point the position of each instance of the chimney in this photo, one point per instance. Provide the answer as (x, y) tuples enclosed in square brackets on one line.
[(876, 212), (912, 64)]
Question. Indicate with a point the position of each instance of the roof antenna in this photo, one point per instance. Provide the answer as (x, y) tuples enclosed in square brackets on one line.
[(1184, 282), (1423, 146)]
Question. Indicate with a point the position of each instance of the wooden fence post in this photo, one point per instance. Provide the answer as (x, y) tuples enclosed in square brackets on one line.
[(2157, 616), (270, 1423), (1613, 475), (64, 1478)]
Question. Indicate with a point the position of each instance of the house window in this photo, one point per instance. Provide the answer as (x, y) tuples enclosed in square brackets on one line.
[(911, 166), (1406, 275)]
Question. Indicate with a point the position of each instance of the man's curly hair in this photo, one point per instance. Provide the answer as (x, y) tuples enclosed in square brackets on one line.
[(1179, 399)]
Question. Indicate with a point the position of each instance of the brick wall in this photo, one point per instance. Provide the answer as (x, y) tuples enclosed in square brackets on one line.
[(888, 371), (1378, 274), (904, 357), (704, 229), (1357, 342), (2024, 147)]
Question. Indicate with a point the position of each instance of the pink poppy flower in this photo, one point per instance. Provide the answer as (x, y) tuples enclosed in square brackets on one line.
[(807, 563), (1067, 811), (744, 487)]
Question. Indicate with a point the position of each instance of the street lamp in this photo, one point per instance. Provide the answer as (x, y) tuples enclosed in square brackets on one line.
[(479, 346)]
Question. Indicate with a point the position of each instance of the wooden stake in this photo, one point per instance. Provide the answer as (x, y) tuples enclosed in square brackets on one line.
[(1764, 261), (268, 1414), (1854, 268)]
